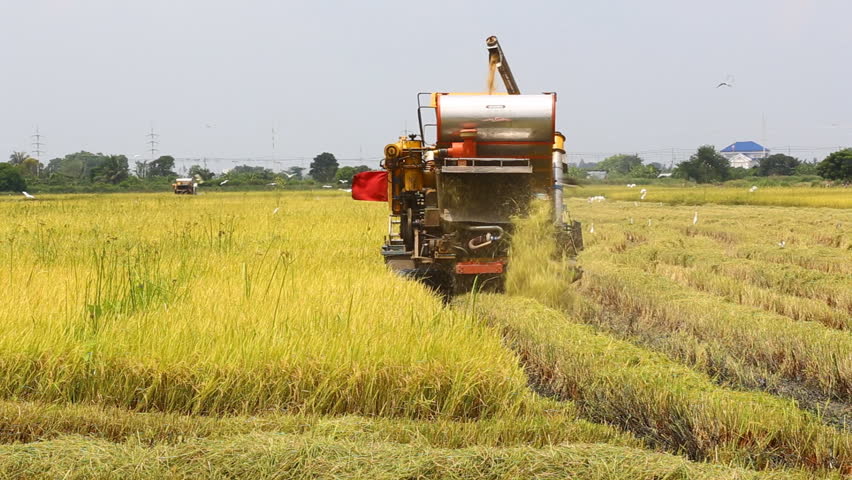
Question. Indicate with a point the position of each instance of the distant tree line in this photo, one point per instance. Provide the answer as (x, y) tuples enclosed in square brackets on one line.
[(707, 165), (98, 171)]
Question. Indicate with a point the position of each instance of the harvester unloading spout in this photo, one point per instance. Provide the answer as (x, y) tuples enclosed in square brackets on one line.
[(452, 200), (497, 60)]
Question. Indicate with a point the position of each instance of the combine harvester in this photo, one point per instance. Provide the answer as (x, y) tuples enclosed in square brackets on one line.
[(451, 201)]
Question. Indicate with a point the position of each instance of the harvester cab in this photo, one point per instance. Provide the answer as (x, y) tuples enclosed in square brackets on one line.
[(452, 201), (185, 186)]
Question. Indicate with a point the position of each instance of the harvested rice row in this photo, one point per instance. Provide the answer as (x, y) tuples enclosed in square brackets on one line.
[(802, 351), (266, 456), (777, 280), (704, 278), (660, 400), (550, 423)]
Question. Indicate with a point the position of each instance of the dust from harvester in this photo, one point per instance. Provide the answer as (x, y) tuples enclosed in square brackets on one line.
[(536, 269)]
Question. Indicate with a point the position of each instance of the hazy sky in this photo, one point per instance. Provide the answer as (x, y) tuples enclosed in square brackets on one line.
[(214, 77)]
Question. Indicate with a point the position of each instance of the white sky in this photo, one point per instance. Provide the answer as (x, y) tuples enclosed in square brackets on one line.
[(342, 76)]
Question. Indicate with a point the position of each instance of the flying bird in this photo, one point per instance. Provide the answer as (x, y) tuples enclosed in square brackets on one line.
[(271, 184), (289, 175), (729, 82), (223, 182), (28, 196), (343, 181)]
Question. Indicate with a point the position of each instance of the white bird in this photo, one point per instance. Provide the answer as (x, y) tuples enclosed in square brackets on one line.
[(289, 175), (644, 192), (327, 186), (347, 190), (275, 211), (631, 185), (695, 218), (223, 182), (782, 243), (753, 189), (631, 220), (28, 196), (271, 184), (343, 181), (597, 198), (592, 228), (649, 222)]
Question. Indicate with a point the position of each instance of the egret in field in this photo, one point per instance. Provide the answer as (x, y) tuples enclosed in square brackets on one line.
[(271, 184), (631, 185), (649, 222), (753, 189), (223, 182), (642, 193), (695, 218), (28, 196), (275, 211), (782, 244), (592, 228), (631, 220)]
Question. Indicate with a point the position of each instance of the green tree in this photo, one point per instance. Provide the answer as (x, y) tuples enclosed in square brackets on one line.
[(17, 158), (296, 173), (202, 172), (837, 166), (644, 171), (619, 165), (30, 167), (324, 167), (161, 167), (11, 179), (345, 174), (705, 165), (777, 164), (806, 168), (113, 169)]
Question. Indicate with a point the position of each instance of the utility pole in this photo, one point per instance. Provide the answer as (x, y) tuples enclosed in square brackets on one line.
[(152, 142)]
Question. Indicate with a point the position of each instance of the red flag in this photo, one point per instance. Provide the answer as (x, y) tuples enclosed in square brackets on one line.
[(370, 186)]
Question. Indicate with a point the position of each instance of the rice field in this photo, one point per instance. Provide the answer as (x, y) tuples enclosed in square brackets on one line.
[(259, 335)]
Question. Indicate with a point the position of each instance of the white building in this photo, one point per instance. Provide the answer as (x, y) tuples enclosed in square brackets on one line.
[(741, 160), (745, 154)]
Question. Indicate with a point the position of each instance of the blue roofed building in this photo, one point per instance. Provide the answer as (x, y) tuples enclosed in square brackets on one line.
[(744, 154)]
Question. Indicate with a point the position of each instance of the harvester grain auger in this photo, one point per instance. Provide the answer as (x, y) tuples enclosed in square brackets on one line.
[(451, 201)]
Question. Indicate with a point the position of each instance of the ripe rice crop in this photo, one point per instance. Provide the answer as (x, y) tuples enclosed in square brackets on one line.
[(837, 197), (216, 304)]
